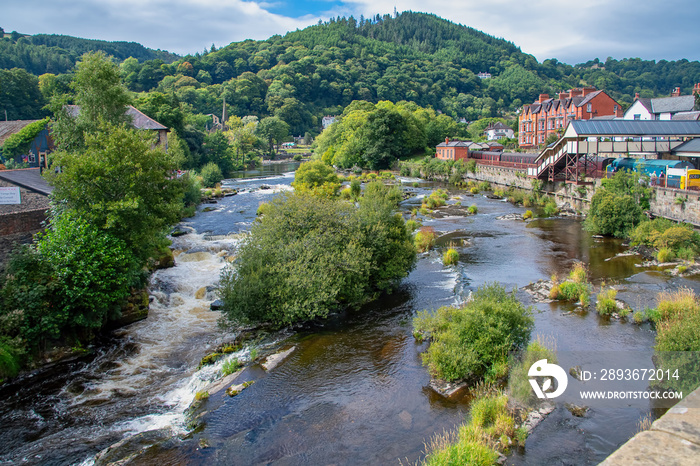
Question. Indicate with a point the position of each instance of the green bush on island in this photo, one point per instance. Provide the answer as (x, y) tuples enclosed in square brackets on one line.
[(309, 254), (606, 303), (316, 177), (518, 381), (490, 431), (425, 238), (473, 342), (669, 238), (677, 319), (617, 206), (576, 288), (450, 257), (211, 175)]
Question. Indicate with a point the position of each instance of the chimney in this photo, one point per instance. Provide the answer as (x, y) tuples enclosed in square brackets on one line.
[(576, 92), (447, 140), (587, 90), (676, 92), (543, 97), (563, 95), (696, 89), (636, 96)]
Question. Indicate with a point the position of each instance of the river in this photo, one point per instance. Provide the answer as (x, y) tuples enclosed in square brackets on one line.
[(353, 391)]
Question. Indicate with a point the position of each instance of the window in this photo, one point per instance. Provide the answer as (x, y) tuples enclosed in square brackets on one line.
[(637, 116), (615, 108), (589, 108)]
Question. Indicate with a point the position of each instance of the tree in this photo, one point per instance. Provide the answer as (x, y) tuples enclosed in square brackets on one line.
[(100, 98), (308, 255), (273, 130), (316, 176), (120, 184)]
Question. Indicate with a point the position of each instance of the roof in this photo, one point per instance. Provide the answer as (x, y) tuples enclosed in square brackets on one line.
[(633, 128), (588, 98), (683, 103), (646, 103), (690, 146), (29, 178), (498, 125), (139, 120), (687, 116), (455, 144), (8, 128)]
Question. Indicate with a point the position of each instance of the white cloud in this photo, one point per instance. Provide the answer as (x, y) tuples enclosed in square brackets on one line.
[(572, 32), (181, 26)]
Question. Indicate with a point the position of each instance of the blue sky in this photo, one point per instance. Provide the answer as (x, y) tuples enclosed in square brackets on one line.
[(571, 31)]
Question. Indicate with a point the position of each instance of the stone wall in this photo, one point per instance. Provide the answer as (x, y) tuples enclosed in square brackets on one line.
[(674, 204), (30, 200)]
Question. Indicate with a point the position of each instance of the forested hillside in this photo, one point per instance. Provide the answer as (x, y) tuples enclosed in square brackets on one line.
[(51, 53), (306, 74)]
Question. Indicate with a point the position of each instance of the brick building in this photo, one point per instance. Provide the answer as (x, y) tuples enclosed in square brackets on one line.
[(452, 150), (549, 116)]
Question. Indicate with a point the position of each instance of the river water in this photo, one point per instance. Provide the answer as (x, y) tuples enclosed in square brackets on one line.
[(353, 391)]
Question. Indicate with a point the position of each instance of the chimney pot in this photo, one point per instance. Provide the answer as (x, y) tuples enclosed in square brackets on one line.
[(676, 92)]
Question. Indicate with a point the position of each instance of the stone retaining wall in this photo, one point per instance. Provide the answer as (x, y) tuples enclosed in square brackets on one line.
[(674, 438), (674, 204)]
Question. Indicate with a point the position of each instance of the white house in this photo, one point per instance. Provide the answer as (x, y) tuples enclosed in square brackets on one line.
[(498, 131), (662, 108)]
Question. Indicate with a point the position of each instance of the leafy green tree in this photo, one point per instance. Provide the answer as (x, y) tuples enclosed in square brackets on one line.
[(166, 109), (100, 97), (217, 150), (617, 206), (120, 184), (273, 130), (95, 270), (20, 96), (316, 175), (308, 255)]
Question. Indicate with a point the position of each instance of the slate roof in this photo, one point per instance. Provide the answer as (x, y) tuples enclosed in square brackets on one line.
[(646, 102), (683, 103), (636, 128), (589, 97), (455, 144), (687, 116), (8, 128), (690, 146), (29, 178), (139, 119)]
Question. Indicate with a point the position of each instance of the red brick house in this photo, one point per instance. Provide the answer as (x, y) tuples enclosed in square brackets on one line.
[(547, 116), (452, 150)]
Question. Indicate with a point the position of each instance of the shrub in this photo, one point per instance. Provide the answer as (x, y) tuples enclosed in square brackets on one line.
[(674, 304), (472, 341), (412, 225), (211, 175), (471, 166), (355, 189), (307, 255), (665, 255), (230, 366), (678, 338), (484, 186), (687, 254), (527, 214), (10, 362), (472, 209), (518, 381), (450, 257), (605, 303), (491, 427), (297, 157), (551, 209), (263, 209), (425, 239), (474, 190), (578, 273)]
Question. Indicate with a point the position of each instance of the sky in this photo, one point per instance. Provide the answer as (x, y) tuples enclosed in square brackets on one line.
[(570, 31)]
